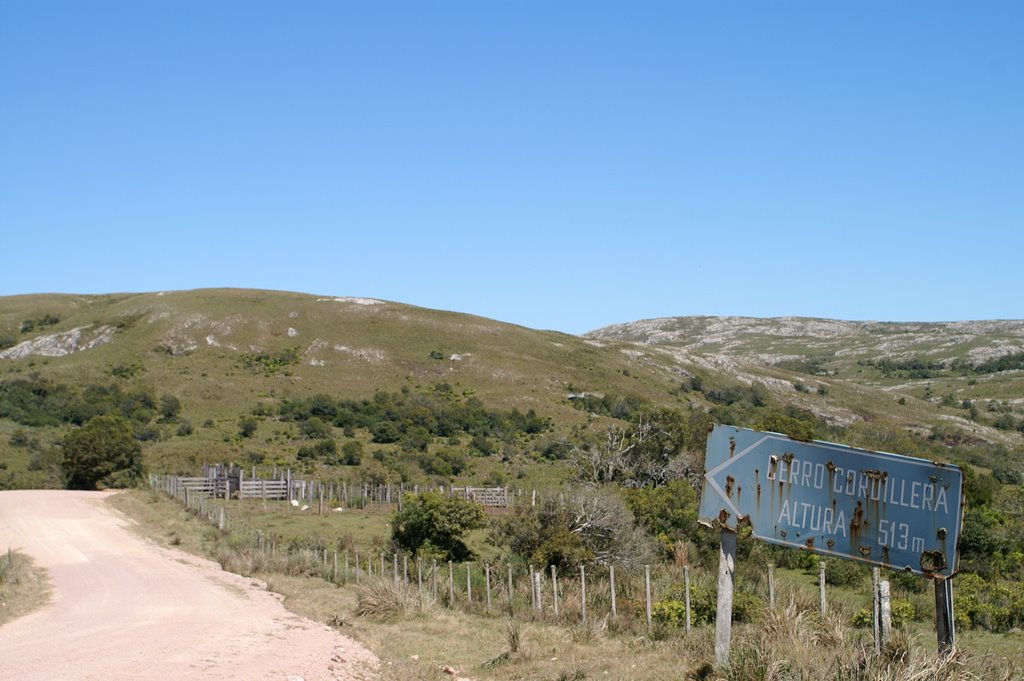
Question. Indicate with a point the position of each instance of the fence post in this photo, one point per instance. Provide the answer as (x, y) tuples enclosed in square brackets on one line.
[(532, 591), (469, 584), (647, 586), (686, 586), (487, 581), (536, 589), (771, 584), (583, 592), (821, 587), (554, 589), (395, 571), (885, 607), (451, 585), (611, 579), (726, 583), (510, 588)]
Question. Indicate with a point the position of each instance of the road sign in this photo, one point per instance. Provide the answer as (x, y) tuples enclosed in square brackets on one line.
[(884, 509)]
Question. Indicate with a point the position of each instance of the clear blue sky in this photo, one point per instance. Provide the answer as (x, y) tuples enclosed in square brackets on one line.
[(561, 165)]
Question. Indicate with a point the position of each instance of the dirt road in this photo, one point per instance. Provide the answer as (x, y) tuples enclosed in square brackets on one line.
[(126, 609)]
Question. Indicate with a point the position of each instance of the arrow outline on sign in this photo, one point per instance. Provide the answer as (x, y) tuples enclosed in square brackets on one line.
[(722, 466)]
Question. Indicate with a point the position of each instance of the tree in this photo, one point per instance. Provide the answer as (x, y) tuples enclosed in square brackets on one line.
[(102, 453), (430, 522), (647, 453), (586, 524)]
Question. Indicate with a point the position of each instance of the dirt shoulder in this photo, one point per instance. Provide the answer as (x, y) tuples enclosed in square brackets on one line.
[(126, 608)]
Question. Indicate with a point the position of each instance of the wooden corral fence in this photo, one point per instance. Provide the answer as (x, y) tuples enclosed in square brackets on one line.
[(224, 482)]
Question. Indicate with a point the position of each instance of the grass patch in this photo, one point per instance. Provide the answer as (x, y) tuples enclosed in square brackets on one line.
[(24, 587)]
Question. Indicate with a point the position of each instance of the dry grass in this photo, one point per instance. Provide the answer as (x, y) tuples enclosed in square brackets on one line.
[(385, 599), (23, 586)]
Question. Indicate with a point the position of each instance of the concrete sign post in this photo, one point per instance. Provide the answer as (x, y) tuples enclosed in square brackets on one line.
[(886, 510)]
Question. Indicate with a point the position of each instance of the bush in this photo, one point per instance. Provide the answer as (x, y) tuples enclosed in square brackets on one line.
[(324, 450), (845, 573), (352, 453), (247, 426), (314, 428), (903, 611), (432, 521), (170, 407), (988, 604), (746, 605), (103, 453)]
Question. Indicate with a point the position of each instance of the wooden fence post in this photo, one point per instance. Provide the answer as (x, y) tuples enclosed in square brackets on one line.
[(451, 585), (726, 583), (686, 591), (554, 589), (885, 607), (533, 592), (647, 588), (611, 581), (583, 592), (487, 581), (771, 584), (510, 588), (469, 584), (821, 588)]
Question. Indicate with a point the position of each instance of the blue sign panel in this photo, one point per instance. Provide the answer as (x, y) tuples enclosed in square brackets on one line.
[(884, 509)]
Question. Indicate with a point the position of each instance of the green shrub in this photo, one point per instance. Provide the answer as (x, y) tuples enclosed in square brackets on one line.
[(988, 604), (863, 619), (903, 611), (746, 605)]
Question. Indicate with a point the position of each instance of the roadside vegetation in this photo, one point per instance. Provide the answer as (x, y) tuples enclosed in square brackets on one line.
[(419, 632), (23, 586)]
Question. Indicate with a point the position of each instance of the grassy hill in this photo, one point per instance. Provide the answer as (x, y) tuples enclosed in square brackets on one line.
[(223, 353), (228, 353)]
